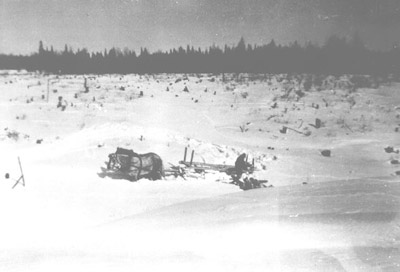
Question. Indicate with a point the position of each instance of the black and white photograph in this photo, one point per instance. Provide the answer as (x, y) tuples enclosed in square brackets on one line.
[(200, 135)]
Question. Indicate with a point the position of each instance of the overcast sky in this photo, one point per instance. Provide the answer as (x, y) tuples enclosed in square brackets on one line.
[(164, 24)]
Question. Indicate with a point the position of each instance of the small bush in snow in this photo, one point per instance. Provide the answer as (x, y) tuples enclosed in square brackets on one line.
[(13, 135), (243, 128)]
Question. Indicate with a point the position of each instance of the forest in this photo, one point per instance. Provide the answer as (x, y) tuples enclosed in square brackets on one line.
[(337, 56)]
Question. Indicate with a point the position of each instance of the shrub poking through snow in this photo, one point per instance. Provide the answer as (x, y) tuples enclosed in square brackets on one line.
[(300, 94), (307, 83), (62, 103), (326, 153), (244, 128), (390, 149), (13, 135), (22, 117)]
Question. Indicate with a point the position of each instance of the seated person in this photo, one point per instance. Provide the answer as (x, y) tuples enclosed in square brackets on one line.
[(241, 166)]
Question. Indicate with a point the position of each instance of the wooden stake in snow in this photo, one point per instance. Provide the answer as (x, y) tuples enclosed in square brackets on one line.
[(48, 90), (21, 177), (184, 156), (191, 158), (85, 85)]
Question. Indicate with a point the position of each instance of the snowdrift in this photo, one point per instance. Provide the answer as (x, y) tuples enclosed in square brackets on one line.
[(323, 213)]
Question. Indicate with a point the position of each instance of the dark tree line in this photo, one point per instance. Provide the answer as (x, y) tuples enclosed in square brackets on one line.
[(337, 56)]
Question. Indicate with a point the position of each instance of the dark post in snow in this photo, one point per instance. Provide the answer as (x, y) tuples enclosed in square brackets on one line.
[(48, 89), (191, 158), (184, 156), (85, 86)]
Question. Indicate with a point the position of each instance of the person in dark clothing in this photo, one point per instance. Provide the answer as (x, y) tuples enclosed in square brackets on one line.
[(241, 166)]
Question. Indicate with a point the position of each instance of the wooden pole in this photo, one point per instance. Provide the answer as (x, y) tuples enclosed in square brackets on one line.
[(184, 155), (22, 175), (48, 89), (191, 159)]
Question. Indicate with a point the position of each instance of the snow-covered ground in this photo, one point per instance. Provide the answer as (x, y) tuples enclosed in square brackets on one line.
[(337, 213)]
